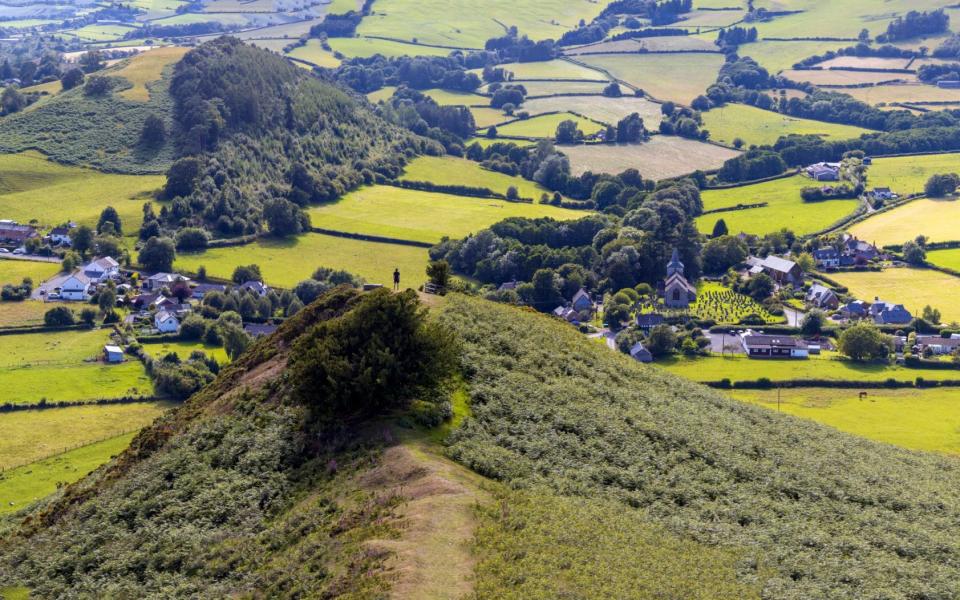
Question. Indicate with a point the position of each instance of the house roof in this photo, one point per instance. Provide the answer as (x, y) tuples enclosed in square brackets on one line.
[(649, 320), (581, 295), (828, 252), (113, 349), (79, 277), (167, 277), (675, 260), (781, 265), (258, 329), (677, 279), (257, 286), (104, 264), (639, 350), (755, 340), (206, 288), (164, 316), (60, 231)]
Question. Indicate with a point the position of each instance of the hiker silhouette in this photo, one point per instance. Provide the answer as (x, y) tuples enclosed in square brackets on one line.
[(396, 279)]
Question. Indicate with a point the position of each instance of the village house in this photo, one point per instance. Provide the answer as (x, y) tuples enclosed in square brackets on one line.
[(166, 322), (857, 309), (144, 301), (859, 249), (173, 306), (257, 287), (827, 258), (824, 171), (779, 269), (113, 354), (158, 281), (259, 329), (888, 313), (60, 236), (640, 354), (101, 269), (200, 290), (567, 313), (75, 287), (649, 321), (938, 345), (677, 291), (881, 194), (773, 346), (581, 301), (822, 297), (14, 233)]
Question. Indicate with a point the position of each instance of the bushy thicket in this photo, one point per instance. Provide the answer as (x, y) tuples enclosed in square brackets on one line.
[(832, 515)]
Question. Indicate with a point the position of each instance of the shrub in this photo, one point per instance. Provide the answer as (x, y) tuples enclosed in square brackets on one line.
[(59, 316)]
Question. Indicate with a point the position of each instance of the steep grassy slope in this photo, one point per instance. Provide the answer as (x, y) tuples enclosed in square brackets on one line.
[(832, 516)]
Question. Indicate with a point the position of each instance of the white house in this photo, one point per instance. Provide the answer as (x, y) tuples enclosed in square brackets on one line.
[(102, 269), (113, 354), (75, 287), (257, 287), (60, 235), (158, 281), (166, 322)]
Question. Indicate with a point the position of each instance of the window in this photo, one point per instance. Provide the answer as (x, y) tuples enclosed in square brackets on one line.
[(676, 295)]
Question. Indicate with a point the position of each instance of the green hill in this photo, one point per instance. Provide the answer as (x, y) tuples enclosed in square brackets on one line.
[(282, 479)]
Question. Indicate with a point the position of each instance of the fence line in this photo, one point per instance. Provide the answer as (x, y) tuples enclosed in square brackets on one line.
[(69, 449)]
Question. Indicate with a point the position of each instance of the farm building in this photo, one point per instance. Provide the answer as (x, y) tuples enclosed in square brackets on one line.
[(677, 291), (888, 313), (507, 286), (640, 354), (202, 289), (259, 329), (821, 296), (824, 171), (166, 322), (566, 313), (773, 346), (881, 193), (113, 354)]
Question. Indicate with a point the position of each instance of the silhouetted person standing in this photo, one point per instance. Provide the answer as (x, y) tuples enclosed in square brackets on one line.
[(396, 279)]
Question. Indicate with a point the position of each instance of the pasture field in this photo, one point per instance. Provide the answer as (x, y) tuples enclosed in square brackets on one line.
[(545, 126), (14, 270), (828, 366), (936, 219), (551, 88), (784, 208), (847, 78), (384, 93), (51, 87), (866, 62), (398, 213), (146, 68), (27, 436), (28, 312), (775, 56), (184, 348), (659, 158), (32, 187), (757, 126), (909, 93), (364, 47), (710, 18), (451, 98), (551, 69), (600, 108), (907, 175), (945, 258), (676, 77), (821, 17), (450, 170), (101, 33), (21, 486), (676, 43), (49, 348), (924, 419), (189, 18), (313, 53), (485, 117), (404, 19), (284, 263), (610, 47), (914, 288), (32, 384)]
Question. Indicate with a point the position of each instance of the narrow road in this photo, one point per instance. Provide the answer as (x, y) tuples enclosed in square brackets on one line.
[(794, 316)]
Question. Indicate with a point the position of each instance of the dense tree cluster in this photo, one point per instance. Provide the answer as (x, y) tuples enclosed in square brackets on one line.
[(514, 47), (366, 75), (683, 121), (914, 24), (732, 37), (932, 73)]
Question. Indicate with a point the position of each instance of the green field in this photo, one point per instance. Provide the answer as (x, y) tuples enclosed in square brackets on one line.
[(776, 56), (551, 69), (14, 270), (945, 258), (847, 78), (661, 157), (827, 366), (485, 117), (285, 263), (759, 127), (183, 349), (313, 53), (27, 436), (917, 419), (398, 213), (52, 347), (822, 19), (147, 68), (73, 383), (600, 108), (935, 219), (25, 485), (101, 33), (549, 88), (28, 312), (363, 47), (545, 126), (449, 170), (32, 187), (907, 175), (448, 98), (914, 288), (384, 94), (911, 93), (676, 77), (471, 28), (784, 208)]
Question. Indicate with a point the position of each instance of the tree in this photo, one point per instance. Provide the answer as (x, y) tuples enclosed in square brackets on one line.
[(812, 323), (107, 300), (760, 287), (439, 273), (88, 316), (182, 177), (939, 186), (545, 295), (81, 240), (154, 131), (12, 100), (738, 143), (97, 85), (109, 215), (71, 79), (71, 260), (721, 253), (612, 90), (60, 316), (661, 341), (568, 132), (191, 239), (193, 327), (512, 193), (284, 218), (91, 61), (244, 273), (107, 245), (158, 254), (914, 253), (864, 341), (806, 262), (720, 228), (931, 315), (616, 315)]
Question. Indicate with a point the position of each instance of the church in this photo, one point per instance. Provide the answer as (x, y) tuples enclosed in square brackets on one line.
[(677, 291)]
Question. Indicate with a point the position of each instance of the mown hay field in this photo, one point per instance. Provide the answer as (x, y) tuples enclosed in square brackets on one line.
[(600, 108), (757, 126), (550, 88), (909, 93), (450, 170), (775, 56), (487, 117), (846, 78), (14, 271), (919, 419), (363, 47), (659, 158), (822, 19), (284, 263), (865, 62), (448, 98), (21, 486), (785, 208), (30, 435), (914, 288), (101, 33), (936, 219), (545, 126), (677, 77), (397, 213), (907, 175)]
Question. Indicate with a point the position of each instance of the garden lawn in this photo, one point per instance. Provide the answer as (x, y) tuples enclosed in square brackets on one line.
[(785, 208), (907, 175), (25, 485), (914, 288), (757, 126), (32, 187), (73, 383), (925, 419), (286, 262), (600, 108), (27, 436), (147, 68), (678, 77), (450, 170), (827, 366), (545, 126), (936, 219), (184, 348), (14, 270), (661, 157), (402, 214)]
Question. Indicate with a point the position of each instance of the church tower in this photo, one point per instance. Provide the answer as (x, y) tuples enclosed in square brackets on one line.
[(674, 267)]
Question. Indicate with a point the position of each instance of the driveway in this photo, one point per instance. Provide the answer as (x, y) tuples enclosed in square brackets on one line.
[(724, 343), (794, 316), (49, 285)]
